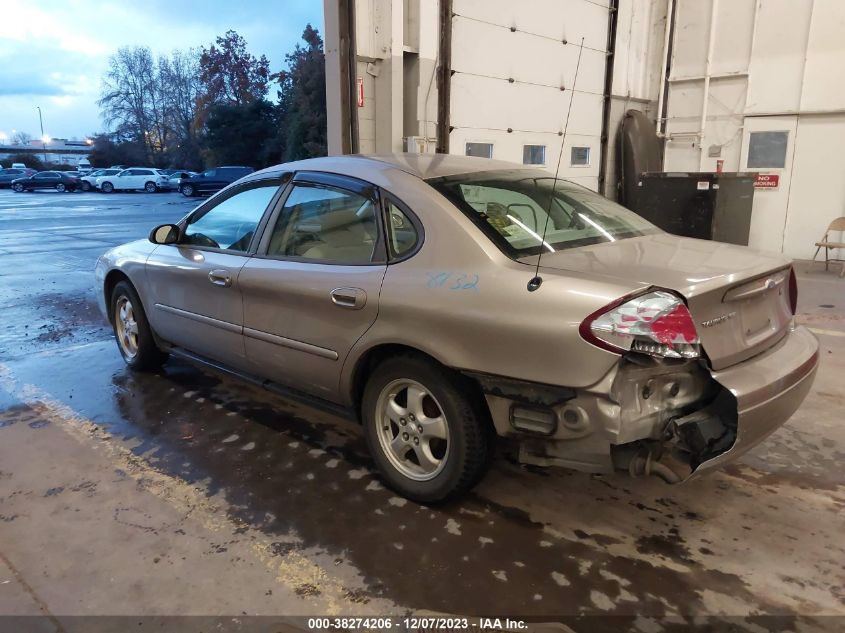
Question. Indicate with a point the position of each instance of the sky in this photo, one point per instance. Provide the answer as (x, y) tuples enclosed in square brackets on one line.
[(53, 53)]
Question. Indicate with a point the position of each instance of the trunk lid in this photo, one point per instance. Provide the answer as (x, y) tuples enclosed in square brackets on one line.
[(738, 297)]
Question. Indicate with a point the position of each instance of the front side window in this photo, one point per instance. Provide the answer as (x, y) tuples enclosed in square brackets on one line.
[(326, 224), (231, 224), (514, 208)]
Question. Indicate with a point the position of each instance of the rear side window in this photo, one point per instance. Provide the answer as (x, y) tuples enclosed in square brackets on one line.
[(515, 209), (402, 234), (231, 223), (326, 224)]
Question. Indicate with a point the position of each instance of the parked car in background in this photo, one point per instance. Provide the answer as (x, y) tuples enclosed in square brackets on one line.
[(176, 177), (133, 179), (57, 180), (409, 291), (212, 180), (19, 166), (84, 166), (87, 182), (8, 175)]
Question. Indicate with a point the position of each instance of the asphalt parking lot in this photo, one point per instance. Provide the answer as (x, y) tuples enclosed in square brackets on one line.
[(187, 492)]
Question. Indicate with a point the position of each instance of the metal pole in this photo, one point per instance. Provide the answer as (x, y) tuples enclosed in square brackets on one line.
[(43, 142)]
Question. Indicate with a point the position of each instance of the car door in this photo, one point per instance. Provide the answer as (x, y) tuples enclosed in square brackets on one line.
[(44, 180), (204, 181), (194, 285), (312, 289)]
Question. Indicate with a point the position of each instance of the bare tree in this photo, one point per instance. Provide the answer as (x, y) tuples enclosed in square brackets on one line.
[(180, 79), (129, 101), (21, 138)]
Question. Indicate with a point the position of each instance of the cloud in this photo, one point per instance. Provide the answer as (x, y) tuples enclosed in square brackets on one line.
[(57, 51)]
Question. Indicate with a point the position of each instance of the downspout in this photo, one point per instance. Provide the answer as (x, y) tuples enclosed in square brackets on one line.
[(664, 69), (444, 77), (612, 19), (352, 58), (707, 70)]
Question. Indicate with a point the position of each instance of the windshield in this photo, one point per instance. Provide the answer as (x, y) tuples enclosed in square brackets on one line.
[(514, 208)]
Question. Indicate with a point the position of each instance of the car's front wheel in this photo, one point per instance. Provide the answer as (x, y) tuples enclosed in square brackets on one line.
[(86, 186), (426, 428), (132, 330), (61, 187), (17, 187), (150, 187), (188, 190), (107, 187)]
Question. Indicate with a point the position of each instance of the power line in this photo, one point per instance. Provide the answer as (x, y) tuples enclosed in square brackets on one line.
[(513, 80), (514, 29)]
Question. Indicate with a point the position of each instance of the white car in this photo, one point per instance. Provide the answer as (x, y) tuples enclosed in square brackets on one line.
[(133, 179), (89, 181), (174, 180)]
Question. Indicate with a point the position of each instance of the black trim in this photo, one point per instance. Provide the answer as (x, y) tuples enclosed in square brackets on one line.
[(341, 411), (524, 391), (386, 197), (213, 202), (318, 179)]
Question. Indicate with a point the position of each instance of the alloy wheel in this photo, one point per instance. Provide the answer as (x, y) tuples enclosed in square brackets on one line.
[(126, 327), (150, 187), (60, 187), (412, 429)]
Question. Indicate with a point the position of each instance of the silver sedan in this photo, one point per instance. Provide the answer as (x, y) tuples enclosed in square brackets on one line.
[(444, 301)]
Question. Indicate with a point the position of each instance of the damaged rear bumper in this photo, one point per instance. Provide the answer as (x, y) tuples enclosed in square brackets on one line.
[(672, 420), (768, 389)]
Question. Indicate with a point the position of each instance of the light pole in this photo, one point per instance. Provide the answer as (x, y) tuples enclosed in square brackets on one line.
[(43, 142)]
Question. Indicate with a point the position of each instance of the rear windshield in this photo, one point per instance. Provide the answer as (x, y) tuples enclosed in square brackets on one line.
[(515, 208)]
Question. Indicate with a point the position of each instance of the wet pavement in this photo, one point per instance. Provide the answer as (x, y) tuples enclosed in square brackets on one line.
[(184, 491)]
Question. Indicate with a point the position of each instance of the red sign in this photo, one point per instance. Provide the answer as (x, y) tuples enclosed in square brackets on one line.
[(360, 92), (720, 165), (767, 181)]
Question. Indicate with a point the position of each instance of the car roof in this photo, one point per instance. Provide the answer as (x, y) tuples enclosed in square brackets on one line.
[(423, 166)]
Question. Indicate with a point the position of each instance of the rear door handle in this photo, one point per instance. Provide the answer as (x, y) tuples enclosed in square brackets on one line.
[(352, 298), (220, 277)]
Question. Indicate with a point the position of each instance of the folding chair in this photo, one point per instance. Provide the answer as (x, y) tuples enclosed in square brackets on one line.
[(837, 225)]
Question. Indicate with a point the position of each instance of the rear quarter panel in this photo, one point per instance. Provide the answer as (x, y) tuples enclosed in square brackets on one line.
[(462, 301)]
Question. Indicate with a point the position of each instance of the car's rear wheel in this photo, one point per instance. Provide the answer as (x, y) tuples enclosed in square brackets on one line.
[(107, 187), (150, 187), (17, 187), (61, 187), (85, 186), (132, 330), (426, 429), (188, 190)]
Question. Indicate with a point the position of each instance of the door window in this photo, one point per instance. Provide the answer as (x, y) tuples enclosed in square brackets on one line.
[(325, 224), (231, 223)]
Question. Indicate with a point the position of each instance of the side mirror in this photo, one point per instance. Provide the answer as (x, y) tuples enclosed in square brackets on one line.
[(165, 234)]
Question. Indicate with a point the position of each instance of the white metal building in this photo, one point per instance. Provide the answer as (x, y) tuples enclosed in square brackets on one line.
[(751, 85)]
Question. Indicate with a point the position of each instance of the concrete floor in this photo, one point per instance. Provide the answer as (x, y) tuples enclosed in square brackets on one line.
[(185, 492)]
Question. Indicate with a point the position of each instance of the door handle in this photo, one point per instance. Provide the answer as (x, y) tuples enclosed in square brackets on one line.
[(352, 298), (220, 277)]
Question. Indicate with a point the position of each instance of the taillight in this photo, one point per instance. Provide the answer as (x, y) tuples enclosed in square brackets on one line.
[(793, 291), (656, 323)]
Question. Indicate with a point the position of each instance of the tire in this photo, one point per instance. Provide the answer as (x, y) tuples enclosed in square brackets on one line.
[(188, 190), (426, 468), (150, 187), (17, 187), (132, 330), (61, 187), (107, 187), (86, 186)]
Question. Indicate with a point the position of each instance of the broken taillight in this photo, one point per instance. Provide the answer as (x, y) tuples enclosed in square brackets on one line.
[(657, 323)]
